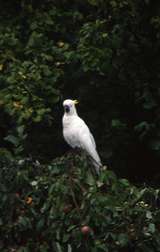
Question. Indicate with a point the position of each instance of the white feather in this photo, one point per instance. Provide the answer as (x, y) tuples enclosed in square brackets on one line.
[(77, 134)]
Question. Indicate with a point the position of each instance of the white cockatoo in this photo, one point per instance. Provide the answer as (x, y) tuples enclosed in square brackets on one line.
[(77, 134)]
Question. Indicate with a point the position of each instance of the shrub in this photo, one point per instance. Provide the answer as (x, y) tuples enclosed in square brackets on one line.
[(62, 207)]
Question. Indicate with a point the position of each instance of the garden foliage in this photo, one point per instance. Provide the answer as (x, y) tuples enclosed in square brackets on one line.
[(62, 207)]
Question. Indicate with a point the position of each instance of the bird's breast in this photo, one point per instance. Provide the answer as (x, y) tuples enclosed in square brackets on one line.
[(71, 132)]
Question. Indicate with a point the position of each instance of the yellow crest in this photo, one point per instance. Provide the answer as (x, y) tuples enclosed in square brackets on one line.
[(75, 101)]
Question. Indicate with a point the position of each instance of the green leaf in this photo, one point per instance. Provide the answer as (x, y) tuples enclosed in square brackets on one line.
[(66, 237), (71, 227), (155, 144), (20, 130), (40, 224), (93, 2), (69, 248), (123, 239), (12, 139), (23, 249), (124, 182), (25, 222), (116, 123), (90, 179), (151, 228), (58, 246), (142, 126), (149, 215)]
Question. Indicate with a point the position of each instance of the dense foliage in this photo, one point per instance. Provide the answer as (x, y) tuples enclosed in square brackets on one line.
[(104, 53), (62, 207)]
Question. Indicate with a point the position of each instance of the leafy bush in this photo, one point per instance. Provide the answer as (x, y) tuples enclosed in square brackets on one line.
[(62, 207)]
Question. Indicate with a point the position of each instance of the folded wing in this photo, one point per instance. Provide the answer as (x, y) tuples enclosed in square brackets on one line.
[(87, 143)]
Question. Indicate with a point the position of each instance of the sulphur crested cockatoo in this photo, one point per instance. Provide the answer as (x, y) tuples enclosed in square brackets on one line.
[(77, 134)]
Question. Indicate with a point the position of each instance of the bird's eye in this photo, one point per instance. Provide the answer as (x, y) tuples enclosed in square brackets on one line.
[(66, 108)]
